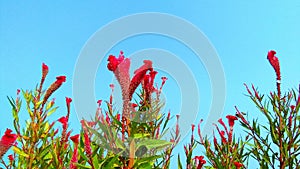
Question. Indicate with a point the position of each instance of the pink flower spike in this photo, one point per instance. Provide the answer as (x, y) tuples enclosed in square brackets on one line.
[(87, 145), (63, 120), (238, 165), (45, 67), (75, 138), (274, 62), (231, 120), (60, 80), (11, 157), (18, 91), (8, 139), (68, 101)]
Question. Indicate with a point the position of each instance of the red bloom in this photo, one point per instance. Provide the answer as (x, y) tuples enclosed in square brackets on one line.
[(274, 62), (114, 62), (75, 138), (238, 165), (45, 67), (60, 79), (134, 105), (87, 144), (223, 124), (231, 120), (8, 139), (200, 161), (11, 157), (18, 91), (64, 121), (45, 70), (139, 75), (68, 101), (118, 117)]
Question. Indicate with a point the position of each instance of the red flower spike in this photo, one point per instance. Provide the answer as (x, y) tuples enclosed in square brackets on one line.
[(292, 107), (54, 86), (215, 140), (64, 121), (152, 75), (222, 134), (118, 117), (223, 124), (274, 62), (10, 157), (87, 145), (200, 161), (60, 79), (75, 138), (18, 91), (231, 120), (139, 76), (133, 105), (68, 100), (113, 63), (8, 139), (45, 70), (238, 165), (45, 67)]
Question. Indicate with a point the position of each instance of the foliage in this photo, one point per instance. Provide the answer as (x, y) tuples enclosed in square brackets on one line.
[(134, 137)]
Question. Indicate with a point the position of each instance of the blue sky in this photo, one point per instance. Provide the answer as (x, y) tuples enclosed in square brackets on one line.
[(242, 32)]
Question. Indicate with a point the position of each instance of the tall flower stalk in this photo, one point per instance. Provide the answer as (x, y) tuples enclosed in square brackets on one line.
[(275, 143)]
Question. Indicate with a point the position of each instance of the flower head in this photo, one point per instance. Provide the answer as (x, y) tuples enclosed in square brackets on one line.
[(199, 161), (68, 101), (114, 62), (10, 157), (60, 79), (45, 70), (274, 62), (75, 138), (64, 121), (238, 165), (231, 120), (8, 139)]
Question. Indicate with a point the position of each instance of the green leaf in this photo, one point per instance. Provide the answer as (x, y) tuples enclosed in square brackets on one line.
[(52, 111), (179, 163), (20, 152), (153, 143)]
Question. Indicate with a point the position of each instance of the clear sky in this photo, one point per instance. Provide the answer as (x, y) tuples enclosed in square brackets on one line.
[(241, 32)]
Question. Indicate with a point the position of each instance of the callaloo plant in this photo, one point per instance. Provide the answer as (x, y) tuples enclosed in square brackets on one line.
[(276, 142), (132, 137), (229, 152), (125, 139)]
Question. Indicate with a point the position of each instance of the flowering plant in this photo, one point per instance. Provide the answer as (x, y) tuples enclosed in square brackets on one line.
[(133, 137)]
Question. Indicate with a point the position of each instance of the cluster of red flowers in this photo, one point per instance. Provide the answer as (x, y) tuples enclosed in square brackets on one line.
[(7, 140)]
